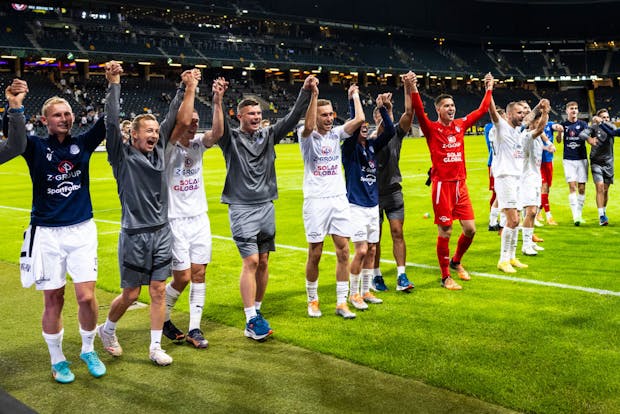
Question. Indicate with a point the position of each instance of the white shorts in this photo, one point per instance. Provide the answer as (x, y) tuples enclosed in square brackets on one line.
[(56, 251), (507, 190), (365, 221), (529, 191), (323, 216), (191, 241), (575, 171)]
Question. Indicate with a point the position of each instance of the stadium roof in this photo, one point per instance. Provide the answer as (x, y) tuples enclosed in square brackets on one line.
[(469, 20)]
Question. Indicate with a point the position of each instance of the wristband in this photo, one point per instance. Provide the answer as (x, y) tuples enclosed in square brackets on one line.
[(19, 110), (355, 95)]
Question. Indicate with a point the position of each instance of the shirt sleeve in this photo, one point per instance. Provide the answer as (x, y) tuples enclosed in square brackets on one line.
[(167, 125), (114, 139), (474, 116), (423, 120), (288, 123), (16, 137), (388, 130)]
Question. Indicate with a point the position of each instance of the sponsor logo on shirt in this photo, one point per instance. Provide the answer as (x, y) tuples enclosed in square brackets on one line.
[(325, 150), (65, 166), (453, 157), (370, 179), (443, 219), (65, 189), (323, 170), (573, 145), (190, 184)]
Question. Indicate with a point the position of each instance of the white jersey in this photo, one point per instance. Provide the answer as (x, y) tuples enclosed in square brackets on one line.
[(508, 154), (186, 192), (533, 149), (323, 163)]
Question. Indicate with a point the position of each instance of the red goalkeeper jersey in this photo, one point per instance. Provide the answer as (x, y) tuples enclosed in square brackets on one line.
[(446, 143)]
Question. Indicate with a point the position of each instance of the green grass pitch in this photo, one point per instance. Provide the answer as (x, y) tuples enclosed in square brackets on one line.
[(499, 343)]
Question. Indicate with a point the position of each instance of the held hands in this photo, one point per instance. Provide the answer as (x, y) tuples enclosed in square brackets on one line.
[(311, 83), (544, 106), (387, 101), (113, 71), (16, 92), (353, 90), (597, 120), (488, 81), (219, 87), (191, 78)]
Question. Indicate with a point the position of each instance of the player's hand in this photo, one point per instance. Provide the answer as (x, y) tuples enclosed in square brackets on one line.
[(113, 71), (16, 92)]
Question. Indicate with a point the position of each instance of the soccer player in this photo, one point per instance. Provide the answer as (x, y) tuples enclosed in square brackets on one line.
[(249, 190), (489, 134), (546, 172), (508, 161), (360, 168), (445, 140), (575, 160), (531, 183), (62, 236), (326, 208), (187, 211), (602, 133), (144, 244), (391, 201)]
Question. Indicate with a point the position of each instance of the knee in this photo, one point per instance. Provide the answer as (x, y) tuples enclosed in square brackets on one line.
[(342, 254), (86, 297), (130, 296), (469, 232)]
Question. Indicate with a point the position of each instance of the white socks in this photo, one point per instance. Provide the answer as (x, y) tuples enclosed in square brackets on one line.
[(172, 295), (354, 284), (342, 291), (312, 290), (196, 304), (88, 339), (155, 339), (54, 345)]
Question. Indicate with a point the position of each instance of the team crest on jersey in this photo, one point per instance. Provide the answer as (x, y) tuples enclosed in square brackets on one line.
[(188, 162), (74, 149), (458, 129), (65, 166), (452, 138), (325, 150), (195, 145)]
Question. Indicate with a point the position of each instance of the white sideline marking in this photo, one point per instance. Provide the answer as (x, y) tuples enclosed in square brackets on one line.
[(419, 265)]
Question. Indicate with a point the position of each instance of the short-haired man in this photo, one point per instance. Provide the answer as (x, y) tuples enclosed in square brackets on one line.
[(326, 209), (187, 212), (62, 236), (508, 161), (575, 160), (249, 190), (144, 244), (360, 168), (445, 140), (602, 133), (391, 200)]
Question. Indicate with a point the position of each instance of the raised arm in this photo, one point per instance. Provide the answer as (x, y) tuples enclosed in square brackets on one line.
[(190, 78), (16, 138), (544, 108), (217, 127), (407, 117), (418, 106), (474, 116), (493, 112), (114, 138), (389, 131), (289, 121), (310, 120), (357, 117), (167, 125)]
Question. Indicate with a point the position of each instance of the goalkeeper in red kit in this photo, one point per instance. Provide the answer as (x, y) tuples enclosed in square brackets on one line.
[(445, 140)]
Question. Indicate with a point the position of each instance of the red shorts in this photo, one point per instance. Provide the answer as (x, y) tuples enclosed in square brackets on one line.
[(451, 202), (546, 170), (491, 181)]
